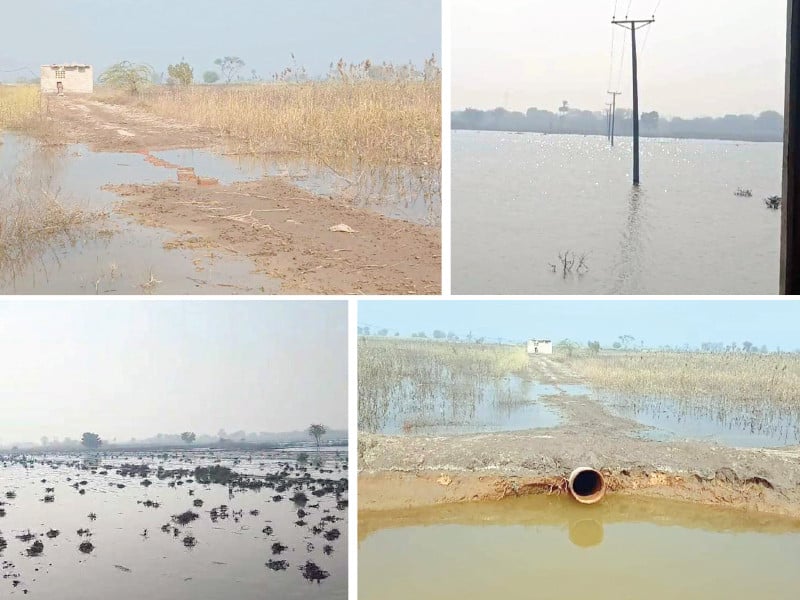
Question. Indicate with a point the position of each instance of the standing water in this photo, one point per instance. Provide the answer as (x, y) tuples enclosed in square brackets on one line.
[(548, 547), (520, 200), (173, 525)]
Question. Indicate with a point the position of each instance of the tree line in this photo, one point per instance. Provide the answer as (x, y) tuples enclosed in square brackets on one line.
[(767, 126)]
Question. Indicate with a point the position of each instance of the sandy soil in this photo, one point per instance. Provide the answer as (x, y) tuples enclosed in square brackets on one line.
[(407, 471), (285, 230)]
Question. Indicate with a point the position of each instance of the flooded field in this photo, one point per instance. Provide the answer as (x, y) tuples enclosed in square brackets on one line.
[(741, 427), (550, 547), (412, 195), (115, 254), (432, 388), (521, 200), (121, 251), (179, 524)]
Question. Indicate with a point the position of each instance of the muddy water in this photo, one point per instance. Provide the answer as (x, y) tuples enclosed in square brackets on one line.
[(228, 559), (116, 255), (508, 404), (398, 193), (549, 547), (716, 422)]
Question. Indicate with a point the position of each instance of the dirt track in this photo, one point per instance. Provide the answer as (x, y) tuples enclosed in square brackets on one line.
[(284, 230), (407, 471)]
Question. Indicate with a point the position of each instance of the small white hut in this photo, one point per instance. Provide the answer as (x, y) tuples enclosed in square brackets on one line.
[(67, 78), (540, 347)]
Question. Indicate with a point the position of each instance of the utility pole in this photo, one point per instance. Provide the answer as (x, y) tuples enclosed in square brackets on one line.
[(608, 120), (790, 217), (633, 25), (613, 113)]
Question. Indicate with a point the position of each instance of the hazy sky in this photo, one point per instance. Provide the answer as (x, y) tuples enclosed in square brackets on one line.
[(136, 368), (657, 323), (262, 32), (702, 58)]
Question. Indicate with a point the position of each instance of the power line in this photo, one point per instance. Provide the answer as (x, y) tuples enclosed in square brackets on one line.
[(655, 10), (627, 12), (622, 62)]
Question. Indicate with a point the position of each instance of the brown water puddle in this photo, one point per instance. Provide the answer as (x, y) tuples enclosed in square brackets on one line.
[(551, 547)]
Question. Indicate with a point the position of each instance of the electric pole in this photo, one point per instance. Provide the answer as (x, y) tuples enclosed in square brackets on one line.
[(608, 120), (790, 215), (633, 25), (613, 114)]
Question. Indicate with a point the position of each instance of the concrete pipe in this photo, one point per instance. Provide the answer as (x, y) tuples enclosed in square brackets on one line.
[(587, 485)]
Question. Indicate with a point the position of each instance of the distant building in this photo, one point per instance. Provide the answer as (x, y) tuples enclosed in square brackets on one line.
[(540, 347), (67, 78)]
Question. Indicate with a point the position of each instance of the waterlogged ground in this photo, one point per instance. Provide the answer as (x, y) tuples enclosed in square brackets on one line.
[(550, 547), (711, 453), (508, 404), (115, 254), (406, 194), (137, 525), (183, 214), (737, 426)]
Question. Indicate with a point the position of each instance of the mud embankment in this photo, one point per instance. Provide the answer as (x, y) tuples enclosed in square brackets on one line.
[(412, 471)]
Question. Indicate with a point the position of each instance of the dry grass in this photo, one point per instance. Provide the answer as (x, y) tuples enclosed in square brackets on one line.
[(749, 393), (19, 105), (32, 217), (25, 110), (346, 124), (735, 377), (415, 381)]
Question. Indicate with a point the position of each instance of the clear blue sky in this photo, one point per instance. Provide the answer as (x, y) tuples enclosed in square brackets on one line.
[(657, 323), (262, 32), (134, 368)]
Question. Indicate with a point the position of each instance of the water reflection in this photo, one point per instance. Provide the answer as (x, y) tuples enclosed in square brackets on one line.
[(628, 269)]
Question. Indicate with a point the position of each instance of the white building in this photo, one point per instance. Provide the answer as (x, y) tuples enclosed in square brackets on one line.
[(67, 78), (540, 347)]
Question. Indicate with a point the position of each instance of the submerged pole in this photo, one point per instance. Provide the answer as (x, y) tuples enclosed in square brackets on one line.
[(632, 25)]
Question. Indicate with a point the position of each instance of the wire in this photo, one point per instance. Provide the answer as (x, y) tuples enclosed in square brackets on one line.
[(655, 10), (611, 60), (644, 44), (615, 9), (622, 62), (627, 12)]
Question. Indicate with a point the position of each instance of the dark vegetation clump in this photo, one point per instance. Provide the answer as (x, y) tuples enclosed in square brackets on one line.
[(214, 474), (299, 498), (3, 544), (86, 547), (277, 565), (189, 541), (36, 548), (312, 572), (53, 533), (49, 498), (26, 537), (198, 503), (185, 518), (267, 530), (277, 548), (11, 495), (327, 549), (331, 535)]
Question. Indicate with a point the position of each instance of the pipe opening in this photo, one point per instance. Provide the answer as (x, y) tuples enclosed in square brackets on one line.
[(587, 485)]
